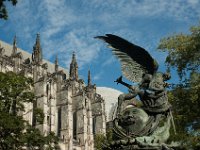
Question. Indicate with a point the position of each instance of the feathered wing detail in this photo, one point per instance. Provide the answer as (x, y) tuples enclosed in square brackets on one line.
[(135, 61), (130, 69)]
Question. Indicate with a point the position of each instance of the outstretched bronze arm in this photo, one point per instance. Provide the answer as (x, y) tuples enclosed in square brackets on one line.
[(119, 80)]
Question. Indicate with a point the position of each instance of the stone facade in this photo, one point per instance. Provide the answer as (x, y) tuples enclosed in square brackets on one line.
[(72, 109)]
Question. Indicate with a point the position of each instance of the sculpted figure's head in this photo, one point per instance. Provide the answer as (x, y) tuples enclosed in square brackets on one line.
[(146, 79), (157, 83)]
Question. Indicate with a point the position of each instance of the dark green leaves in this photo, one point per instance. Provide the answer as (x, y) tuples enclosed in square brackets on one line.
[(183, 51), (184, 55), (15, 132), (15, 90), (3, 9), (3, 13)]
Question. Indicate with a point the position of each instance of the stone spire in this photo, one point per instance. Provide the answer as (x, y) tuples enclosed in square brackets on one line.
[(37, 51), (89, 78), (56, 64), (73, 68), (14, 51)]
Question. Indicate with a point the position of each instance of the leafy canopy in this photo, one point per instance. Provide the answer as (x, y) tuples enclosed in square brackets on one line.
[(15, 132), (3, 8), (183, 51), (14, 91), (184, 56)]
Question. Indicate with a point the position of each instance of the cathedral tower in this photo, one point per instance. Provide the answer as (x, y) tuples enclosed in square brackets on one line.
[(14, 51), (89, 78), (72, 109), (37, 52), (38, 69), (16, 57), (73, 73), (56, 64)]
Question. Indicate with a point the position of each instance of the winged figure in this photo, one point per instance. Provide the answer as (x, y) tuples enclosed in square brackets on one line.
[(137, 65), (135, 60)]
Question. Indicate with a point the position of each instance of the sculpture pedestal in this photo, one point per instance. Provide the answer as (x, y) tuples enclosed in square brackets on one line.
[(133, 145)]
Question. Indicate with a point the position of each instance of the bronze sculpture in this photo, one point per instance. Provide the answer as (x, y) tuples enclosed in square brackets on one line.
[(148, 125)]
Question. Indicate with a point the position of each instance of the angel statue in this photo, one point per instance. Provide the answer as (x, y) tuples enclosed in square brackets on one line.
[(149, 124)]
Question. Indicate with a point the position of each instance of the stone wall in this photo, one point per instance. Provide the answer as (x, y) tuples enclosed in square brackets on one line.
[(73, 110)]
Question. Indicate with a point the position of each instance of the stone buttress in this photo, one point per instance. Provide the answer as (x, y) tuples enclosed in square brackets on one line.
[(72, 110)]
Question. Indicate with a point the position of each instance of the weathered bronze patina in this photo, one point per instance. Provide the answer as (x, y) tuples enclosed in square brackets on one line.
[(146, 126)]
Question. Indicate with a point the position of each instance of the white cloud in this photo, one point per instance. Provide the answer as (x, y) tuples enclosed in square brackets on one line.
[(85, 48), (193, 2), (97, 76), (144, 8), (57, 17), (60, 28), (69, 26), (109, 61)]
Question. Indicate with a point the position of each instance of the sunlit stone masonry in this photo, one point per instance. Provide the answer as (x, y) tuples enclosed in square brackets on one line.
[(72, 109)]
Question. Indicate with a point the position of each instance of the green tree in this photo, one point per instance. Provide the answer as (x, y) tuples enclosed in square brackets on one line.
[(100, 140), (3, 9), (14, 91), (184, 56), (15, 132), (183, 51), (10, 131), (33, 139)]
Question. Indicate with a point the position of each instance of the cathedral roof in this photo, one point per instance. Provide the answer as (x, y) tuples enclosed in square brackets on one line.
[(8, 51)]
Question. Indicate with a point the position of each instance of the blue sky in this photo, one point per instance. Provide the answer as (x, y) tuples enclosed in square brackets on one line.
[(70, 25)]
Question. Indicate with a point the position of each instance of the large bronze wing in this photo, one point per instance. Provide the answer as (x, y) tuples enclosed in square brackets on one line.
[(135, 60)]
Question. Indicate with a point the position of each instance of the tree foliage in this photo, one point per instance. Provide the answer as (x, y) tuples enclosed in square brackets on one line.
[(39, 115), (14, 91), (100, 140), (183, 51), (10, 131), (3, 9), (184, 56), (15, 132)]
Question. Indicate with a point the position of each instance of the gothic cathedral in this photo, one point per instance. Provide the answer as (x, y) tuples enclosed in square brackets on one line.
[(72, 109)]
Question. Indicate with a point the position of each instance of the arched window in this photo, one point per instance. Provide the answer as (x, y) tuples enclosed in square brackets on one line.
[(47, 89), (48, 120), (75, 125), (59, 121), (94, 125)]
